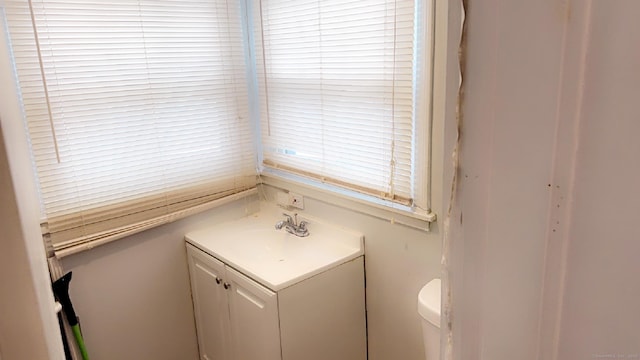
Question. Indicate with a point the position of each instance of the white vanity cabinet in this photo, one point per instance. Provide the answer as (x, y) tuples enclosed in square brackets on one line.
[(317, 318), (236, 318), (253, 311), (210, 305)]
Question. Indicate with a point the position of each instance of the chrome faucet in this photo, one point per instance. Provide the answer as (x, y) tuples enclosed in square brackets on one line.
[(292, 226)]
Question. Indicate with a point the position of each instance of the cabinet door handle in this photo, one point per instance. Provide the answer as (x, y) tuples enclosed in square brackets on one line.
[(218, 281), (227, 285)]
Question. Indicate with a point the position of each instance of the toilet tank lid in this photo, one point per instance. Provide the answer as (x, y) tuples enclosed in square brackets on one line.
[(429, 302)]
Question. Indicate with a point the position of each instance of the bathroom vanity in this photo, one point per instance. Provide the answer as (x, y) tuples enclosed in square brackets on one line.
[(265, 294)]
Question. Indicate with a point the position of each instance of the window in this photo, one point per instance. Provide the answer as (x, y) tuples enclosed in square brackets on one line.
[(136, 110), (339, 84), (142, 112)]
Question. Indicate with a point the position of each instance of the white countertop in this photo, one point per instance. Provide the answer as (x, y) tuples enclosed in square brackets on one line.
[(275, 258)]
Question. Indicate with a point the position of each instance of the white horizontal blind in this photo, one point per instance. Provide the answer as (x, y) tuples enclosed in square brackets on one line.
[(336, 83), (147, 105)]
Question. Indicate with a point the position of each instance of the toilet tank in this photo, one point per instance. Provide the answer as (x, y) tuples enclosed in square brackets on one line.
[(429, 310)]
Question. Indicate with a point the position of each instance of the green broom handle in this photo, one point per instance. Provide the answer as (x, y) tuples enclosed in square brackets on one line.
[(78, 335)]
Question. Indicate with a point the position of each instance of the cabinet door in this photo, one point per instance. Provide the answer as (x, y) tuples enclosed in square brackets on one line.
[(210, 304), (254, 312)]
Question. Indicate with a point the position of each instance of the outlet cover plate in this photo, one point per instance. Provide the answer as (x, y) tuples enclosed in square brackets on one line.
[(296, 200)]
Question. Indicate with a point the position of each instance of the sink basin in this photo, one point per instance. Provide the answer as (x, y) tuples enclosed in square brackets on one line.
[(275, 258)]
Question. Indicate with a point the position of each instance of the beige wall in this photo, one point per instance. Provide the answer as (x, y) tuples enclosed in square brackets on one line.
[(545, 242), (21, 330), (601, 307), (22, 259), (514, 58)]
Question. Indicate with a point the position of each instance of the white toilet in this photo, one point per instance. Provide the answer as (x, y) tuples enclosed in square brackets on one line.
[(429, 309)]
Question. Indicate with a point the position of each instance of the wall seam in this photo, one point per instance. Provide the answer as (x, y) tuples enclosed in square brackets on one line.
[(572, 177), (564, 215)]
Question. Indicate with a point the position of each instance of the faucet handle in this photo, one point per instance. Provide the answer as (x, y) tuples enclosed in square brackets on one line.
[(302, 230), (289, 218)]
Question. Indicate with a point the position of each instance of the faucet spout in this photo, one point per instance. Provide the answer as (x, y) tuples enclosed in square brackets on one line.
[(291, 225)]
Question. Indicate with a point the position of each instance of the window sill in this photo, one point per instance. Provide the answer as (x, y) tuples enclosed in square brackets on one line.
[(362, 203), (89, 242)]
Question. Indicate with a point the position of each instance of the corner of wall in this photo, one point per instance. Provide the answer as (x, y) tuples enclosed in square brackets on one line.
[(19, 169)]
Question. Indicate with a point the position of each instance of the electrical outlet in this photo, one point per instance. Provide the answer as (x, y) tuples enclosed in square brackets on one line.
[(296, 200)]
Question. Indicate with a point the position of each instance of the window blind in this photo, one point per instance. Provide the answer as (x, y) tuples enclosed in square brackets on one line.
[(337, 80), (136, 110)]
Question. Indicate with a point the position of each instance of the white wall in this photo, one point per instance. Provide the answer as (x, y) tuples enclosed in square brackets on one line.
[(601, 309), (514, 53), (545, 243), (23, 253), (21, 331)]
